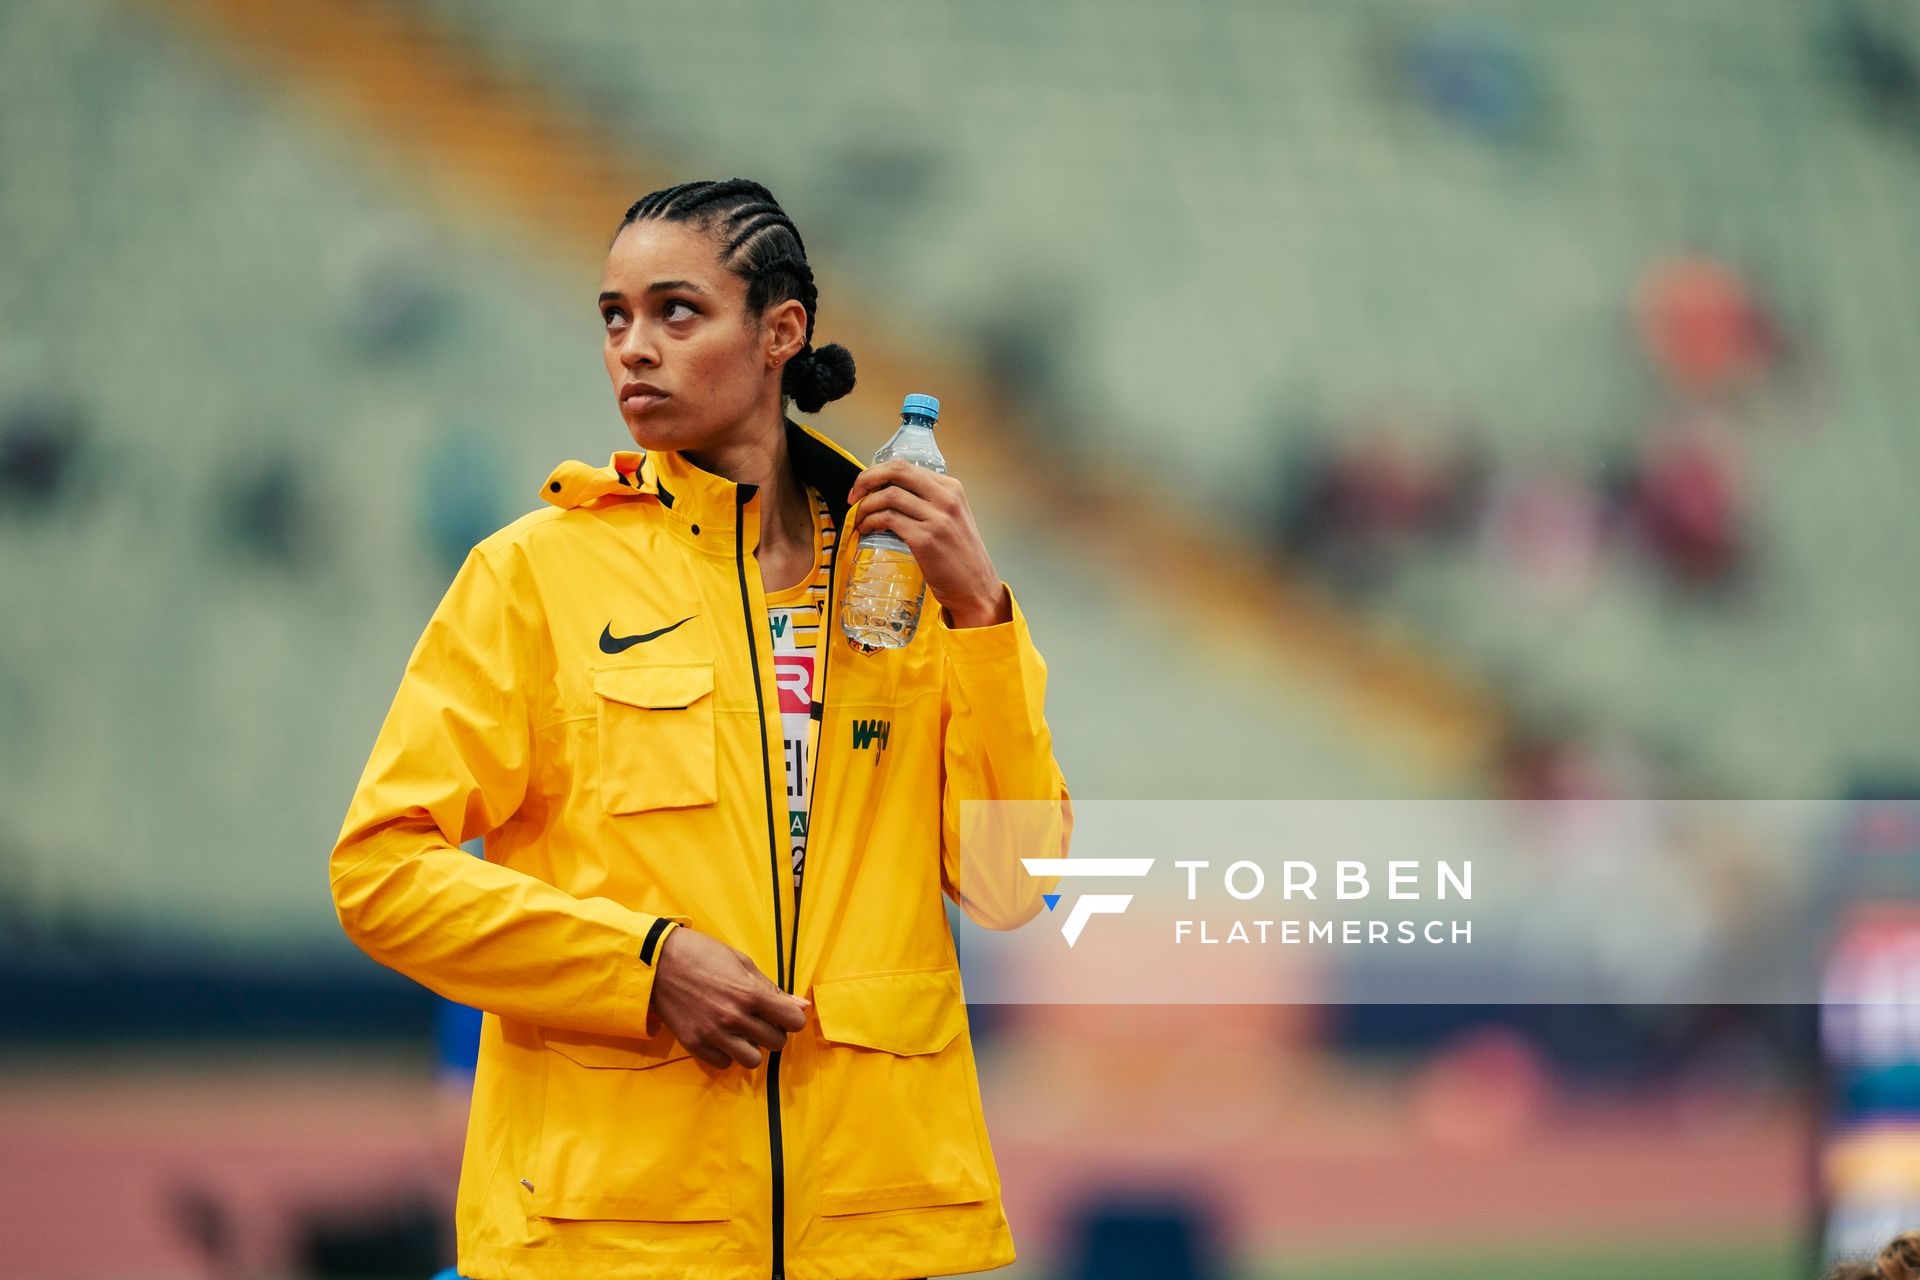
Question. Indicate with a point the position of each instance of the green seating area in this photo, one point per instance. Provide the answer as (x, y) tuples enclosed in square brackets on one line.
[(282, 360), (1215, 234)]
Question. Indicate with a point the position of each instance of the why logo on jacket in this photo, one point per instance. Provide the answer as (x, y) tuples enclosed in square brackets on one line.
[(872, 733)]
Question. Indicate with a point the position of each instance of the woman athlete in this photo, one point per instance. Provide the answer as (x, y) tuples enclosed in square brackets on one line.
[(724, 1034)]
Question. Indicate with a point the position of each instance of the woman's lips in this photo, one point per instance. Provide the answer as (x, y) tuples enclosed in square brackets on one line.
[(640, 403)]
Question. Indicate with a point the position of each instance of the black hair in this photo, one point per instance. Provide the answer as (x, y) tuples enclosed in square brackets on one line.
[(760, 244)]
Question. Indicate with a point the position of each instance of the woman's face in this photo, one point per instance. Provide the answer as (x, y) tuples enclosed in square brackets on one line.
[(676, 321)]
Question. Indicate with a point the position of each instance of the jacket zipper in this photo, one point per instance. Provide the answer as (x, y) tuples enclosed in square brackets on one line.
[(741, 494)]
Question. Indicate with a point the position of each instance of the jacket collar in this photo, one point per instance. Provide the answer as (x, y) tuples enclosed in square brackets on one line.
[(698, 498)]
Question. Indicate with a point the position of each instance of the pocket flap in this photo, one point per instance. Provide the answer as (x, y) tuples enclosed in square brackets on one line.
[(918, 1011), (591, 1049), (678, 684)]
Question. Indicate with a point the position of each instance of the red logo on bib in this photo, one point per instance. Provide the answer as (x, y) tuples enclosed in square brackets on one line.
[(793, 674)]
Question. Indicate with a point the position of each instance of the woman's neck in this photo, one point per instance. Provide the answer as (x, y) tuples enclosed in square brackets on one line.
[(785, 521)]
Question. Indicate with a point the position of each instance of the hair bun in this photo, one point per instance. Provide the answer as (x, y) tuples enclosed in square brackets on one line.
[(813, 378)]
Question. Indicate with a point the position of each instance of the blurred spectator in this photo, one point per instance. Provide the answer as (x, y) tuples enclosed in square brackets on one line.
[(1351, 507), (1478, 72), (1688, 501), (38, 445), (461, 490), (267, 513), (384, 285), (1703, 325), (1899, 1260), (1549, 757), (1543, 530), (1882, 66)]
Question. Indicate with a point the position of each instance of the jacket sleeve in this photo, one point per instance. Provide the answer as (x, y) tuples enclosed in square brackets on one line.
[(451, 762), (997, 747)]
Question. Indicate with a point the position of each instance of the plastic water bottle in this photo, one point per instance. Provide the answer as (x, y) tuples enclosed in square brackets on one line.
[(881, 605)]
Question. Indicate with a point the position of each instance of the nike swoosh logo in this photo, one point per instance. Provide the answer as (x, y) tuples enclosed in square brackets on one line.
[(610, 643)]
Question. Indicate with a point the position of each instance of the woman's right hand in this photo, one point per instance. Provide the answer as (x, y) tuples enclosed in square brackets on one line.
[(717, 1003)]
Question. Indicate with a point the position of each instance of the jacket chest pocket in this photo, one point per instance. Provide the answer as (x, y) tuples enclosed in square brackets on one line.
[(656, 736)]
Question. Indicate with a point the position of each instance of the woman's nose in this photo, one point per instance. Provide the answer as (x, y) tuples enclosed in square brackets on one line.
[(637, 351)]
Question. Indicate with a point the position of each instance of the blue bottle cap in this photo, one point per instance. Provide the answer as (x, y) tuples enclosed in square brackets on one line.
[(921, 406)]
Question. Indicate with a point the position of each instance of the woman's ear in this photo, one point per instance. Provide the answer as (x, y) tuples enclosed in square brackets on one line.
[(786, 331)]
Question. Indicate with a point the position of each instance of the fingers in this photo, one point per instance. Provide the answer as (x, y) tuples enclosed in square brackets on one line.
[(737, 1049), (764, 1034), (901, 498), (897, 509), (931, 485), (713, 1057), (782, 1010), (766, 1001), (745, 1040), (730, 1039), (735, 1015), (758, 1020)]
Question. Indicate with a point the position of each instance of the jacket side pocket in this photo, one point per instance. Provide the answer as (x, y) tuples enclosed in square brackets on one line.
[(656, 736), (896, 1105), (635, 1128)]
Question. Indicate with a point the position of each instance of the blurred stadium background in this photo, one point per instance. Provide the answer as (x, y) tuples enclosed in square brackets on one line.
[(1368, 398)]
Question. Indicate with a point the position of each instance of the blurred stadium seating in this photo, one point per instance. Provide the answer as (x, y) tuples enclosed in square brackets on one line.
[(1429, 310), (1198, 241), (1205, 244)]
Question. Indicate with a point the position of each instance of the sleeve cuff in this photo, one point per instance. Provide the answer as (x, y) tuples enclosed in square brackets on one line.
[(994, 641), (656, 938)]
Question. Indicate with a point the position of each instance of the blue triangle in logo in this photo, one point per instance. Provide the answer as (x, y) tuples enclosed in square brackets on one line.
[(1053, 900)]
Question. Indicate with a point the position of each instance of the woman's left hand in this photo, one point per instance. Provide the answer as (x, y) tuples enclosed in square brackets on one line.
[(929, 512)]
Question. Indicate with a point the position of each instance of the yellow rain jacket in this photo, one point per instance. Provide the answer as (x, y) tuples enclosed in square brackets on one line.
[(623, 784)]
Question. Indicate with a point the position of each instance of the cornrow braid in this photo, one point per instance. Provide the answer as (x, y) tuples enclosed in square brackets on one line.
[(758, 242), (802, 274)]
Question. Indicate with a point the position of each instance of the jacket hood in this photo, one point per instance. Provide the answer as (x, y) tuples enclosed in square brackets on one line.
[(667, 477)]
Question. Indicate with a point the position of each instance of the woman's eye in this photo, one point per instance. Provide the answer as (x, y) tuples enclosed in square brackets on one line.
[(675, 302), (608, 316)]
